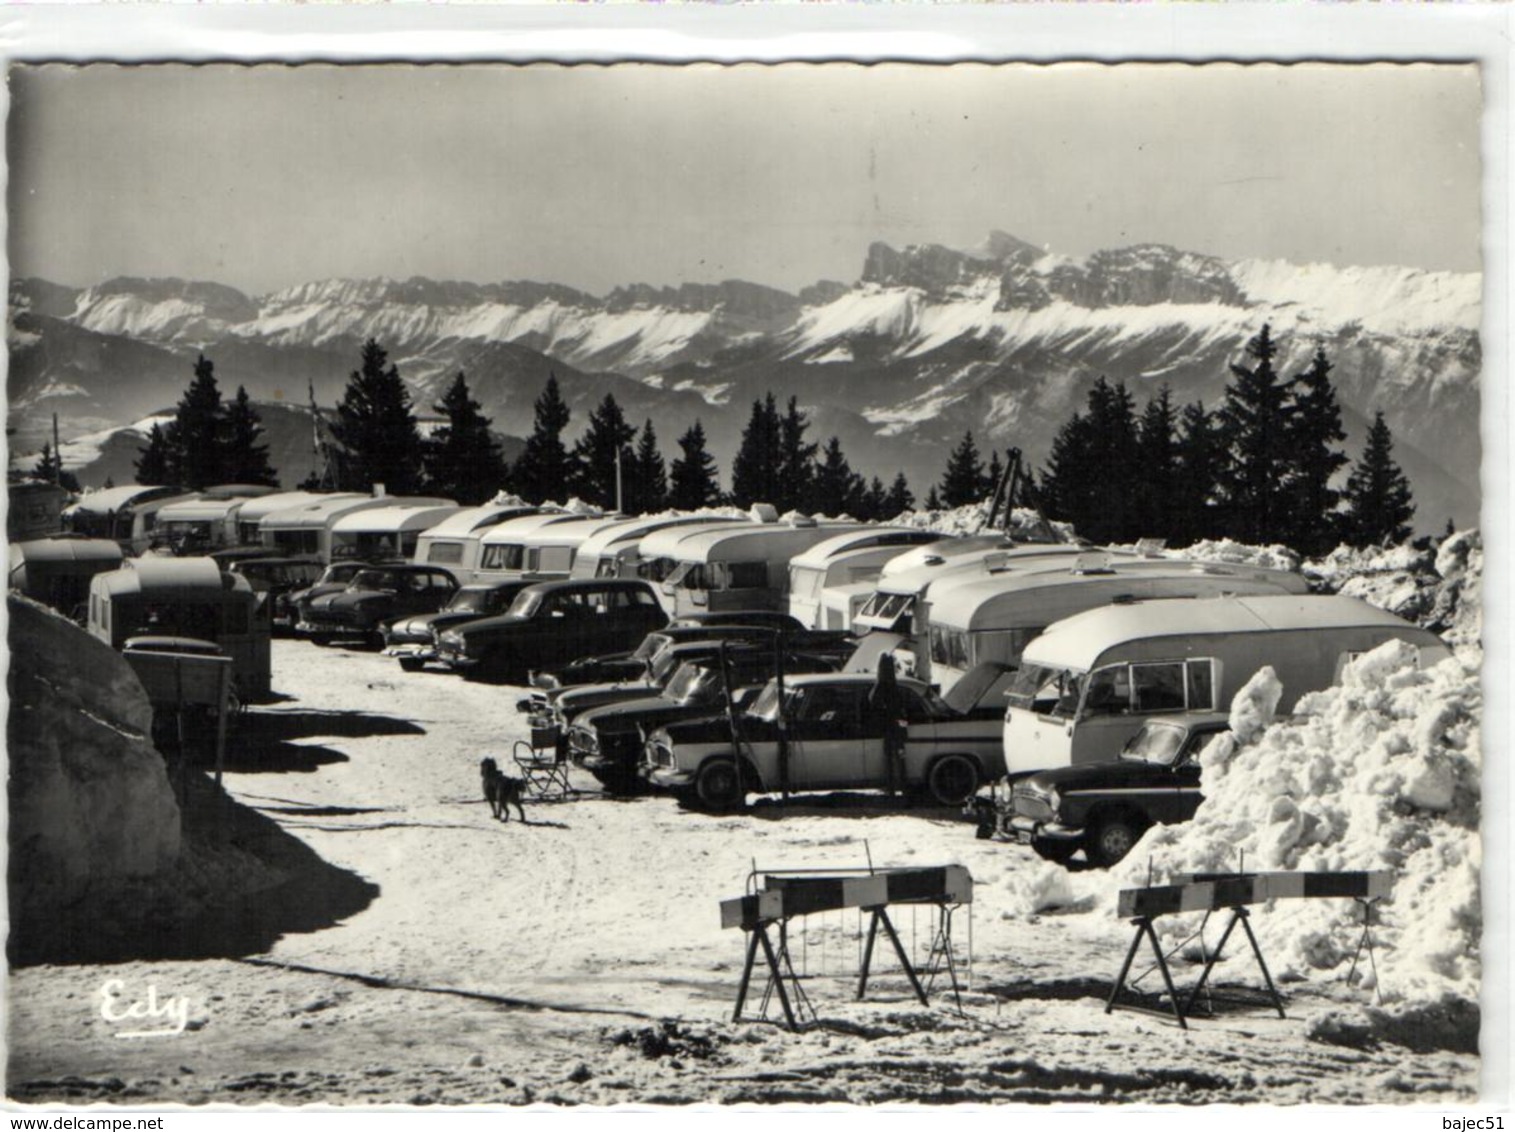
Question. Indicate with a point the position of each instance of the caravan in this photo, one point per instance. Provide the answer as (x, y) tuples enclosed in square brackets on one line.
[(198, 526), (1090, 681), (615, 551), (993, 614), (307, 529), (831, 581), (455, 542), (127, 514), (387, 532), (186, 597), (741, 567), (503, 549)]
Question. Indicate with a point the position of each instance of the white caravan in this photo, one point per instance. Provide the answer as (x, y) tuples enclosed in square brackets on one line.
[(976, 617), (386, 532), (829, 582), (306, 530), (615, 551), (504, 548), (744, 567), (254, 511), (456, 542), (127, 514), (1090, 681)]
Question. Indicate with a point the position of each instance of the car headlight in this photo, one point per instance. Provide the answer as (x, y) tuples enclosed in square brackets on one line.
[(454, 641)]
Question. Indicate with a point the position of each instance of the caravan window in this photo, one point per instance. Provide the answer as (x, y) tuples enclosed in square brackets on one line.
[(607, 567), (949, 647), (1158, 687), (503, 556), (1201, 678), (445, 553), (747, 576), (1047, 691)]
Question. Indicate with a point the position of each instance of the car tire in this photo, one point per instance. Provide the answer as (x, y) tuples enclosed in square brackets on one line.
[(1111, 838), (411, 664), (952, 780), (320, 639), (718, 785), (1058, 852)]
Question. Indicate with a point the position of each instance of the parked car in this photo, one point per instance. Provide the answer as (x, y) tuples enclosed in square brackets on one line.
[(1104, 808), (334, 579), (836, 741), (607, 739), (375, 596), (633, 665), (273, 579), (414, 639), (551, 622)]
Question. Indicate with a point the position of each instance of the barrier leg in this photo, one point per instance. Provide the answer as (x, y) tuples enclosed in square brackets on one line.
[(1278, 1003), (741, 991), (899, 949), (1125, 968), (778, 979)]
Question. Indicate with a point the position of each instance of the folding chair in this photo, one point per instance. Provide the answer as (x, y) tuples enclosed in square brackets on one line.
[(543, 763)]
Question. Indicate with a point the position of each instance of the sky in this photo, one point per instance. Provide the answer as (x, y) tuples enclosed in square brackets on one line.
[(265, 177)]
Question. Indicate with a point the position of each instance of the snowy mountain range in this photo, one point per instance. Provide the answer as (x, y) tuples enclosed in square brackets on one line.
[(1004, 339)]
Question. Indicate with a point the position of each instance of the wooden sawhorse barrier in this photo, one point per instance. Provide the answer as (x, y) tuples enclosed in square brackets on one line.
[(1214, 892), (784, 895)]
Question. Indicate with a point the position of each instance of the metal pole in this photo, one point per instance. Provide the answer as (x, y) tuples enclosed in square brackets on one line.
[(778, 662), (57, 468), (618, 477)]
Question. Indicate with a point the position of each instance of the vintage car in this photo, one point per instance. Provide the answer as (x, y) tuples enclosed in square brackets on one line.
[(376, 595), (552, 622), (334, 579), (1104, 808), (835, 737), (413, 640), (762, 625), (273, 579), (607, 739)]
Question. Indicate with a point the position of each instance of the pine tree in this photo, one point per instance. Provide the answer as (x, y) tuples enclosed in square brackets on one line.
[(244, 460), (693, 480), (50, 468), (605, 445), (463, 459), (1157, 451), (1256, 425), (1094, 466), (933, 501), (153, 462), (1200, 456), (1379, 507), (196, 436), (755, 470), (836, 489), (1313, 526), (545, 468), (647, 479), (873, 504), (992, 477), (899, 500), (375, 431), (963, 481), (796, 471)]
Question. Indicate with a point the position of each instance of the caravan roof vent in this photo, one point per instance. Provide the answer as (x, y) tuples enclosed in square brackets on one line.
[(802, 521), (1151, 547), (932, 560), (763, 513), (1097, 562), (1212, 568), (996, 561)]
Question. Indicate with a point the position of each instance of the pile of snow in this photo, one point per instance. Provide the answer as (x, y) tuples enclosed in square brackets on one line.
[(1274, 557), (1438, 587), (1380, 772), (971, 517)]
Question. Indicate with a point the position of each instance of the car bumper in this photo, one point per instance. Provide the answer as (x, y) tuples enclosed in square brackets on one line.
[(1025, 830), (331, 629), (668, 778), (414, 651)]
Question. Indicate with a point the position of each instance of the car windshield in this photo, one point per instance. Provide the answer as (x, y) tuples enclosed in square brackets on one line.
[(1157, 743), (525, 604), (372, 580), (339, 572), (469, 601), (663, 665), (689, 680), (1047, 691), (982, 683), (651, 643)]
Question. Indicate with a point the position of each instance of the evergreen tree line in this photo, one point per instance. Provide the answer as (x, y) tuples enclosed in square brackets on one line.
[(1260, 468), (208, 441)]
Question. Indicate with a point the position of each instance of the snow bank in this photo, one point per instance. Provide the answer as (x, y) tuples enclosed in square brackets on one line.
[(1381, 772)]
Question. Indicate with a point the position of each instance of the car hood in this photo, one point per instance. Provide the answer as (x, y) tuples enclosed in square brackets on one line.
[(505, 621), (346, 599), (310, 593), (712, 728), (648, 711), (1113, 775), (584, 696)]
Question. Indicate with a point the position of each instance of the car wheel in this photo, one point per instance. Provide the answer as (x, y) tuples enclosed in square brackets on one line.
[(1112, 837), (952, 780), (1058, 852), (718, 785), (411, 664), (322, 639)]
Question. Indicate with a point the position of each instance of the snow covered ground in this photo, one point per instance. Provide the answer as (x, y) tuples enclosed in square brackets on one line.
[(578, 958)]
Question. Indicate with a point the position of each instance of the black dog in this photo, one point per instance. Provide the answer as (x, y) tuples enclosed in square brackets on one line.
[(501, 791)]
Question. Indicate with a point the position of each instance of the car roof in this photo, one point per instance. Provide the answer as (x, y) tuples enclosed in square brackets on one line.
[(571, 584), (852, 678), (1195, 720)]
